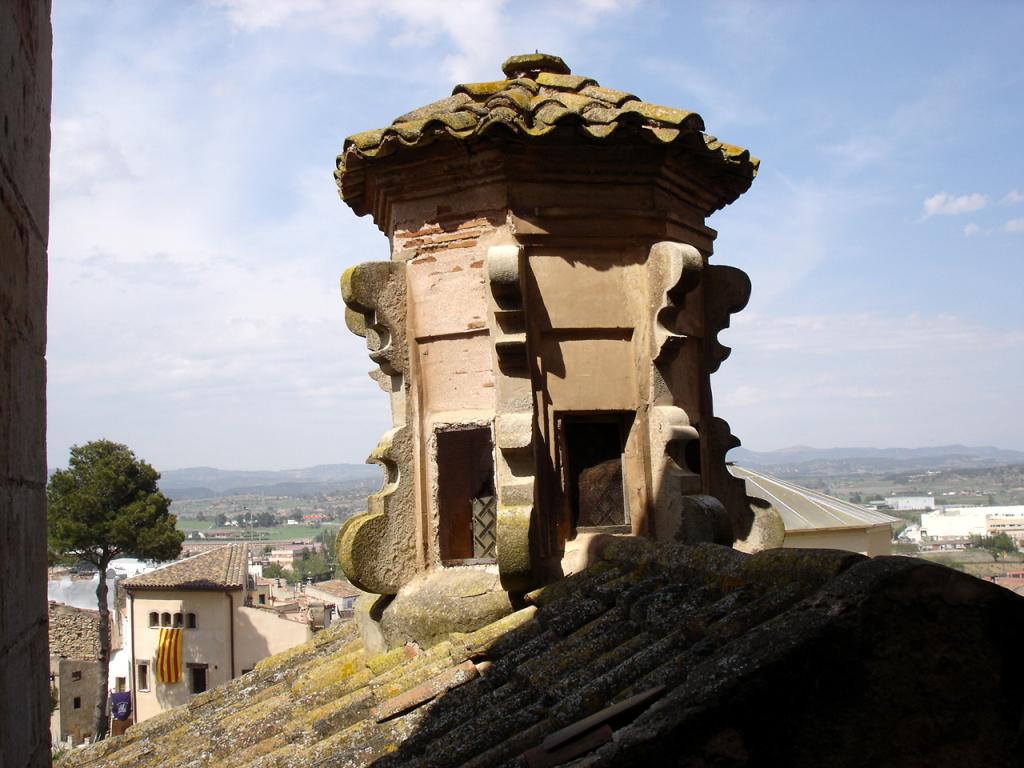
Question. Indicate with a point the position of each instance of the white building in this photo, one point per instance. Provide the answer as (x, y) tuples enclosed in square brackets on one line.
[(1008, 520), (954, 526), (907, 503)]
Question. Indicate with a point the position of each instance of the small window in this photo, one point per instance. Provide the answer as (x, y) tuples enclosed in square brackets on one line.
[(154, 619), (143, 676), (77, 702), (76, 675), (263, 599), (191, 621), (120, 684), (197, 676), (465, 494), (179, 620), (165, 619)]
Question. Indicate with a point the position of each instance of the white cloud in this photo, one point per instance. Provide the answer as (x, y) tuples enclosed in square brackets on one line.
[(971, 230), (477, 33), (86, 153), (869, 379), (196, 234), (1012, 198), (1014, 225), (942, 204)]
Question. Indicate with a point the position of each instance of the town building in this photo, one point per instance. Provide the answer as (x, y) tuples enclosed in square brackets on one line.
[(287, 555), (1006, 519), (953, 527), (815, 520), (193, 627), (74, 672), (910, 503), (338, 592)]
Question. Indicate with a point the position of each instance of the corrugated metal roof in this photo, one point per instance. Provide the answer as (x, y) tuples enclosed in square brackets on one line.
[(805, 510), (221, 568)]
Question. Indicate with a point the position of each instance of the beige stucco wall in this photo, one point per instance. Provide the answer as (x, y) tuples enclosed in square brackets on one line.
[(257, 633), (260, 633), (209, 643), (867, 541)]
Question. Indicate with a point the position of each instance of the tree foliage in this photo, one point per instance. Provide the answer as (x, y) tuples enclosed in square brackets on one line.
[(996, 545), (106, 504)]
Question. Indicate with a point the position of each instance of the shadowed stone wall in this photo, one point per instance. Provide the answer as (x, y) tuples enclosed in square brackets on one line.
[(25, 75)]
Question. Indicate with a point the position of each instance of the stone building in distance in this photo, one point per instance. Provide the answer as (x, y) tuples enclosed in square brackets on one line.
[(546, 327), (74, 671)]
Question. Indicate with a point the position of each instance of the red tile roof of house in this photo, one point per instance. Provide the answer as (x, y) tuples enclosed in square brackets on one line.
[(221, 568)]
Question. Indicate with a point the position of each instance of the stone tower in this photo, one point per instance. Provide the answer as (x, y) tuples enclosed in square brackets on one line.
[(546, 327)]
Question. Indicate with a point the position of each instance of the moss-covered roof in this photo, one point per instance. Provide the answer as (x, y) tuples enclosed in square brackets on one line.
[(538, 96), (654, 655)]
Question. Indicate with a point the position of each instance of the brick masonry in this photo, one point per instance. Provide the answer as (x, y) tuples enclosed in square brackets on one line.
[(25, 81)]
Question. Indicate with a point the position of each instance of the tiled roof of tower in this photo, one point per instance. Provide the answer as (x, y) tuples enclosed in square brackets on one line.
[(805, 510), (654, 655), (221, 568), (538, 96)]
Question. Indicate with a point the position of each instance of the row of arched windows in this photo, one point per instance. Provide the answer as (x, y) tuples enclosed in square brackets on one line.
[(165, 619)]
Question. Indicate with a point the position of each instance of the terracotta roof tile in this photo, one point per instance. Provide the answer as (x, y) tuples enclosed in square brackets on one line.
[(542, 97), (676, 650), (221, 568)]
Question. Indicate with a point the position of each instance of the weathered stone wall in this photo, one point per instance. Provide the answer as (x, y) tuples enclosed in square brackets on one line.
[(76, 681), (74, 632), (25, 74)]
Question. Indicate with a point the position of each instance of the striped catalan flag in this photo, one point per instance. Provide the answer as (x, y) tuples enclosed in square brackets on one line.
[(168, 656)]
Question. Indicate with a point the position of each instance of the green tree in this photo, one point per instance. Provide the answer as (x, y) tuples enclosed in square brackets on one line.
[(328, 539), (220, 520), (273, 571), (106, 504)]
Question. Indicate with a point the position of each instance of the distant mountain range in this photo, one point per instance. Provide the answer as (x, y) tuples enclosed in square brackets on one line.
[(207, 482), (836, 461)]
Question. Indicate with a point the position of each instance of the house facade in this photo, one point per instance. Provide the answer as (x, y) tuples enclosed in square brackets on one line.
[(193, 628)]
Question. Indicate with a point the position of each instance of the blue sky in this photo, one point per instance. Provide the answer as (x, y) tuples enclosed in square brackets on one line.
[(196, 236)]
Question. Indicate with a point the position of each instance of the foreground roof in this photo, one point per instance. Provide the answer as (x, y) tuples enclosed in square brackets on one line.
[(221, 568), (805, 510), (654, 655), (538, 96)]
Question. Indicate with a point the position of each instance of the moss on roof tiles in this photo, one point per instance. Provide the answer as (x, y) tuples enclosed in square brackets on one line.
[(713, 627), (539, 96)]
